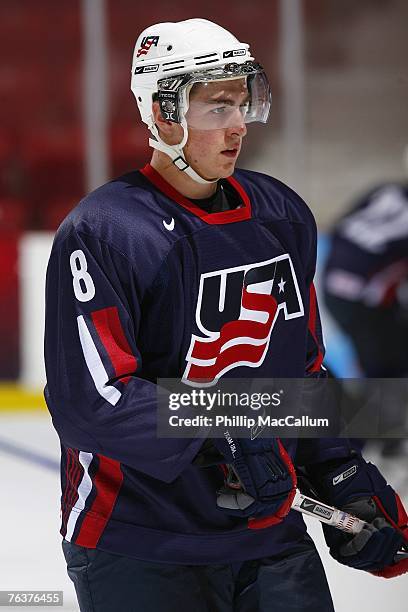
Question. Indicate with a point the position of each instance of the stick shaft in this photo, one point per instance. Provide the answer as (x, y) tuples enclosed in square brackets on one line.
[(327, 514)]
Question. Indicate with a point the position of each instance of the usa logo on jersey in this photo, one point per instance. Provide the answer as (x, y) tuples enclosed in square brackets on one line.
[(236, 312)]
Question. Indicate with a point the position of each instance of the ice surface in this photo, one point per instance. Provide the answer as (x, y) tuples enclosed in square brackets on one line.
[(30, 553)]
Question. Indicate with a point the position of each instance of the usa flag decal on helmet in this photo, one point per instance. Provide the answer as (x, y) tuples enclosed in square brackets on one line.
[(147, 43)]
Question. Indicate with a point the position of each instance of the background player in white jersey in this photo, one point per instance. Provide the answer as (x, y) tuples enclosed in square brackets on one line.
[(193, 270)]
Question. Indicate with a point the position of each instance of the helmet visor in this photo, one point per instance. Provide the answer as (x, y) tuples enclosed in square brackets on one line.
[(222, 98), (228, 103)]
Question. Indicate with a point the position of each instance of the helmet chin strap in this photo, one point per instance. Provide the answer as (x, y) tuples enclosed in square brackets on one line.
[(176, 154)]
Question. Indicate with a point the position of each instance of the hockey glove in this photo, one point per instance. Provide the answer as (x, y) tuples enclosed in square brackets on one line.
[(266, 479), (359, 488)]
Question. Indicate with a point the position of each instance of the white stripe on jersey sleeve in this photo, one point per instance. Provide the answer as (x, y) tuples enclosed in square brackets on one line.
[(95, 365), (84, 490)]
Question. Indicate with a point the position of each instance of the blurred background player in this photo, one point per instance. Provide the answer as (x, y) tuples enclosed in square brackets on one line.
[(366, 290)]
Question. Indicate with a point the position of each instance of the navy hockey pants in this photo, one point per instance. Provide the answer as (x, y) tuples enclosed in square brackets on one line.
[(294, 582)]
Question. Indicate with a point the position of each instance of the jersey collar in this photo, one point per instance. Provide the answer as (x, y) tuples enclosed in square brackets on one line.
[(228, 216)]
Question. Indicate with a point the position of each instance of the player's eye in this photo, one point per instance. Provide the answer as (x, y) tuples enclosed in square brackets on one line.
[(219, 110)]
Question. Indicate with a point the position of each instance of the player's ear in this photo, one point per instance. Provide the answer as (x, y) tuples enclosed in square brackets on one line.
[(170, 132)]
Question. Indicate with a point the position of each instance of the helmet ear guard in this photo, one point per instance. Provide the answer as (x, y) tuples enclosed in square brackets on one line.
[(172, 95), (168, 106)]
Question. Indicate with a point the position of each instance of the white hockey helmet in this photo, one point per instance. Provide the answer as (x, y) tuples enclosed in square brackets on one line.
[(169, 58)]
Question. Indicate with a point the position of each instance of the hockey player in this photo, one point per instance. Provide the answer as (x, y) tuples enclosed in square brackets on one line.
[(366, 279), (366, 289), (191, 269)]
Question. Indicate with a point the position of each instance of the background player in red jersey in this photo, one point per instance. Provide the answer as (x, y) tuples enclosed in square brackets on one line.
[(147, 276)]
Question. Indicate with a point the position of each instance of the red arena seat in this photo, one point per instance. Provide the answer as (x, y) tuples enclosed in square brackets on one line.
[(14, 215)]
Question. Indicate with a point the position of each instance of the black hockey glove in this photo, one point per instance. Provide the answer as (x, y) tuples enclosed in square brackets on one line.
[(359, 488), (265, 480)]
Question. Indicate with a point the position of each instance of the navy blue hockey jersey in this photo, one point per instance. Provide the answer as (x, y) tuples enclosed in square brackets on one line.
[(368, 257), (143, 284)]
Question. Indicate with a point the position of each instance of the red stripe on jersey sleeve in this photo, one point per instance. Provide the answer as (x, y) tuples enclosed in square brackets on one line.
[(64, 510), (75, 475), (110, 331), (107, 482), (312, 328)]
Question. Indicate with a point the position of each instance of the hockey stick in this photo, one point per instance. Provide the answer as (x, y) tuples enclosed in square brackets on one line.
[(327, 514), (233, 495), (334, 517)]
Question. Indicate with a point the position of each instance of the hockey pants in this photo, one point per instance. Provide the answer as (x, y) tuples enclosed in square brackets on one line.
[(293, 582)]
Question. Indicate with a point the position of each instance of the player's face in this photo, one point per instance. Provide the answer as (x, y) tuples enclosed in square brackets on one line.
[(216, 127)]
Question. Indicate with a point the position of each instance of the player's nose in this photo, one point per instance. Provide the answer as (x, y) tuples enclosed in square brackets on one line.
[(242, 130), (239, 129)]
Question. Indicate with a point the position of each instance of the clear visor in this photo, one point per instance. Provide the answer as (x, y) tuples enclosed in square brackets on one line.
[(221, 99), (228, 103)]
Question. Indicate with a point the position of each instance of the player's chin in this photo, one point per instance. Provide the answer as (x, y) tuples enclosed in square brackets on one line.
[(223, 167), (227, 166)]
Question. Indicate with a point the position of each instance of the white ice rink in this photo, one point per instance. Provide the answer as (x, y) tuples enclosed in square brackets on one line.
[(30, 554)]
